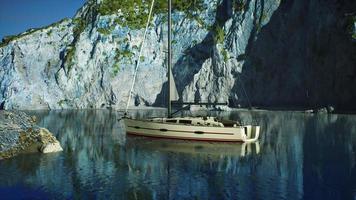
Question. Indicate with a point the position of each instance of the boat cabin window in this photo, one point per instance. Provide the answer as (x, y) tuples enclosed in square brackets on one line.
[(171, 121), (185, 121)]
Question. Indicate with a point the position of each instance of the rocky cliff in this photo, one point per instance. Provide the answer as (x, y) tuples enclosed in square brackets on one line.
[(284, 52)]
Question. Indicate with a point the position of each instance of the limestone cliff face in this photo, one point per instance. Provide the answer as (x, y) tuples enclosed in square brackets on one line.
[(88, 61)]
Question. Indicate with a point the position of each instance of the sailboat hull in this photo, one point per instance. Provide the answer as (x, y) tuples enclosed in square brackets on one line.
[(191, 132)]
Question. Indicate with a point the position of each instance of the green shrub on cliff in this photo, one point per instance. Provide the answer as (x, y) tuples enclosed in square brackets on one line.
[(350, 26), (135, 12), (219, 34), (79, 27), (120, 55), (116, 68), (225, 55), (239, 5), (105, 31), (7, 39)]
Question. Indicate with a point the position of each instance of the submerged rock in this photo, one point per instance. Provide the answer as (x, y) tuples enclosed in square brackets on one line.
[(20, 134)]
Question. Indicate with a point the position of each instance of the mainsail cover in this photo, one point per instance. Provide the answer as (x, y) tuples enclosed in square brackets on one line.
[(173, 89)]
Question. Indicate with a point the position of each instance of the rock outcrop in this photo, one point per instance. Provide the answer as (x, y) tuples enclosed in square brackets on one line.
[(19, 134), (285, 53)]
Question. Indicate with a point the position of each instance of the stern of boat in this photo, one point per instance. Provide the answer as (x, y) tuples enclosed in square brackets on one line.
[(252, 133)]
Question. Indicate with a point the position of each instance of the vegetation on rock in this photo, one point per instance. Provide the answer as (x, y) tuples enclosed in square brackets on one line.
[(119, 56), (7, 39), (135, 12), (351, 26), (239, 5), (225, 54), (105, 31), (219, 34), (79, 26), (116, 68)]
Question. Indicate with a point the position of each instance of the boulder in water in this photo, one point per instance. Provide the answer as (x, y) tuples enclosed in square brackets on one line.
[(19, 134)]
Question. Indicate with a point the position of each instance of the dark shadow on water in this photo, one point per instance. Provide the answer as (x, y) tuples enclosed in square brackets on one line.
[(331, 167)]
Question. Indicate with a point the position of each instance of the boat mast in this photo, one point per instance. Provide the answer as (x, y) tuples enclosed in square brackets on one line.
[(169, 57)]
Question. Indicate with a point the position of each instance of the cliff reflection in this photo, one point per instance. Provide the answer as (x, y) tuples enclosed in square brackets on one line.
[(330, 170), (99, 161)]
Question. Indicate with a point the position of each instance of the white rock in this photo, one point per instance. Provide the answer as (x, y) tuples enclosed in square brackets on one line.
[(51, 147)]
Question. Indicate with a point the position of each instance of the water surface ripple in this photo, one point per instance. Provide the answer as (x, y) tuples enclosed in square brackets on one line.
[(299, 156)]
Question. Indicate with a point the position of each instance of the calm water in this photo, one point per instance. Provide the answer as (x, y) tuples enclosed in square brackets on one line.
[(299, 156)]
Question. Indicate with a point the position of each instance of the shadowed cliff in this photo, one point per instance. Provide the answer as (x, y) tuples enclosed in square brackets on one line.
[(304, 57)]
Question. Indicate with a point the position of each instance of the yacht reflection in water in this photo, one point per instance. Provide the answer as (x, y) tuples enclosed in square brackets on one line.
[(212, 149)]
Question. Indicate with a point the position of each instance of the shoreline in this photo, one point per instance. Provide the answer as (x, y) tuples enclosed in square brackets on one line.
[(321, 110)]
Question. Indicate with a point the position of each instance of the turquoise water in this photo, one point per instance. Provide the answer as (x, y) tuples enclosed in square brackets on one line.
[(299, 156)]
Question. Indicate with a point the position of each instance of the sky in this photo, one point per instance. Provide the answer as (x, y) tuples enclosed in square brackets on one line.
[(16, 16)]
